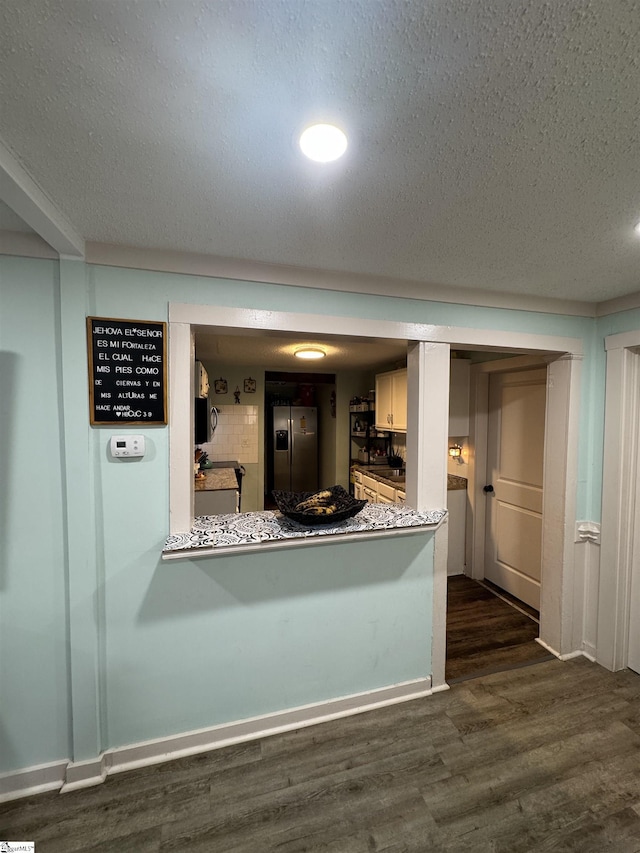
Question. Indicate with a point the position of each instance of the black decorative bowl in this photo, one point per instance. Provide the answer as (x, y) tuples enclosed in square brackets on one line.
[(346, 506)]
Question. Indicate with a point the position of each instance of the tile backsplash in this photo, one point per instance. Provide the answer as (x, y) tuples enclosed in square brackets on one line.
[(236, 436)]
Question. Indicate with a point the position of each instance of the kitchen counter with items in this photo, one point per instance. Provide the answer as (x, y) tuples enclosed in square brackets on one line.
[(217, 488), (213, 479), (252, 531), (381, 473), (384, 475)]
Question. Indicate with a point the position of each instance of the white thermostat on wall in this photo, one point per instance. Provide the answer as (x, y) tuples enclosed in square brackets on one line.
[(127, 445)]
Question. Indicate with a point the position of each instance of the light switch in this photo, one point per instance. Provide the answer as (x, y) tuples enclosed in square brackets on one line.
[(127, 446)]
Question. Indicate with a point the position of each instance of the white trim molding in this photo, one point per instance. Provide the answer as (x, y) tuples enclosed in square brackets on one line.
[(620, 303), (68, 776), (587, 583), (20, 192), (621, 467), (32, 780), (496, 340), (587, 531), (213, 266)]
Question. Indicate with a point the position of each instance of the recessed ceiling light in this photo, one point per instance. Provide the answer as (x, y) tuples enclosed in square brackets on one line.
[(323, 142), (310, 352)]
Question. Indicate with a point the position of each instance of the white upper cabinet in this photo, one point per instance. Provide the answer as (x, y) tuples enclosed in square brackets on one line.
[(391, 401), (459, 397)]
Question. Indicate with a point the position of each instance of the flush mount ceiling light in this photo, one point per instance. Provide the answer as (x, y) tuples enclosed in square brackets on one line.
[(323, 142), (637, 229), (309, 352)]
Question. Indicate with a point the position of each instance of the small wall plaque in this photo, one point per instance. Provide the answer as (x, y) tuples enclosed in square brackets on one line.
[(220, 386), (250, 386)]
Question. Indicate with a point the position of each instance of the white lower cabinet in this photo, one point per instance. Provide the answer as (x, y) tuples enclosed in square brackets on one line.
[(376, 492), (216, 502), (386, 494), (384, 500), (369, 495)]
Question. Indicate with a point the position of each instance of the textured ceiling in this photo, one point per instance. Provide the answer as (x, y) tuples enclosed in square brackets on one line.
[(276, 352), (493, 143)]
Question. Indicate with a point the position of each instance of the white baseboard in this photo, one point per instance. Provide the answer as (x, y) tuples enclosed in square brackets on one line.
[(71, 776), (587, 652), (85, 774), (32, 780), (571, 655), (547, 647)]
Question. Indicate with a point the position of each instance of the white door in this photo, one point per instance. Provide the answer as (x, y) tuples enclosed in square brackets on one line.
[(515, 461)]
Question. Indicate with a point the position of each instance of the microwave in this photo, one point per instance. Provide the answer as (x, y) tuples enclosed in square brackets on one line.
[(201, 421)]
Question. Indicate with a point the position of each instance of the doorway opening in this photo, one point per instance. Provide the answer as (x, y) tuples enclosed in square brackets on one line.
[(493, 604)]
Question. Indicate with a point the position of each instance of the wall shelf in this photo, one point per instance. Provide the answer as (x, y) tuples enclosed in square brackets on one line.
[(363, 436)]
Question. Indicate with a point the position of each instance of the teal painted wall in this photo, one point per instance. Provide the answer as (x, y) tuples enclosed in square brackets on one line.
[(193, 644), (34, 677), (196, 643), (159, 648)]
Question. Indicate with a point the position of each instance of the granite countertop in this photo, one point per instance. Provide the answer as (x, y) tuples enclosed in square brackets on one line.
[(215, 479), (256, 530), (378, 472), (454, 483)]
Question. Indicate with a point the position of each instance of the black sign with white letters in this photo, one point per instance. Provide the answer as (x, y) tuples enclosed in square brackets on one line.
[(127, 371)]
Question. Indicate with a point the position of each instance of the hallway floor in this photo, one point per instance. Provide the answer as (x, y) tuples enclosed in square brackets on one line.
[(486, 633)]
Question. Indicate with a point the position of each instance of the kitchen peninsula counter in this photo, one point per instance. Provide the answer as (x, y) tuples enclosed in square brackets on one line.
[(255, 531)]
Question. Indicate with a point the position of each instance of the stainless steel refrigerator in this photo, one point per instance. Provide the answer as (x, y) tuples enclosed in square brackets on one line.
[(295, 448)]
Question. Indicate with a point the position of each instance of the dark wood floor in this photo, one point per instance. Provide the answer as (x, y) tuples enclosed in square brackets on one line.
[(541, 758), (486, 633)]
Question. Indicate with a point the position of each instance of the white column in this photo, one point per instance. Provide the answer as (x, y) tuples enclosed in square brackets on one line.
[(181, 397), (427, 438), (559, 608), (620, 466), (85, 573)]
